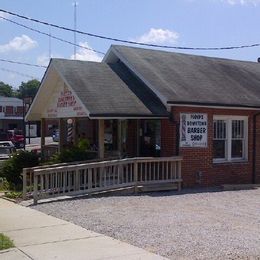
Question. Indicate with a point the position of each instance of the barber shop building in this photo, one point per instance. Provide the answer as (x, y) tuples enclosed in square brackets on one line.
[(151, 103)]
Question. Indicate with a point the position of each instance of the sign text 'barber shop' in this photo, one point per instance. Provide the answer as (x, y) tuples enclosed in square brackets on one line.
[(193, 130)]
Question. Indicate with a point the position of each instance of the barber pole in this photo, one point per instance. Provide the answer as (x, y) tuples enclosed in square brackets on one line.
[(69, 130), (183, 128)]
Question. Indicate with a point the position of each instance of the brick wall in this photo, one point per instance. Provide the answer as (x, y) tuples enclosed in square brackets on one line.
[(257, 168), (9, 110), (200, 160), (19, 111), (168, 137)]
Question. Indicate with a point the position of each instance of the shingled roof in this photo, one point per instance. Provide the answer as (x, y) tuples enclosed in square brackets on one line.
[(189, 79), (102, 92)]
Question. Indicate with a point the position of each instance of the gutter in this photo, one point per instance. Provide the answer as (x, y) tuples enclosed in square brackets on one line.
[(211, 105), (254, 148)]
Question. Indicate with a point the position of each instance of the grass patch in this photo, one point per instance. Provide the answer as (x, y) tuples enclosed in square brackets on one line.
[(5, 242)]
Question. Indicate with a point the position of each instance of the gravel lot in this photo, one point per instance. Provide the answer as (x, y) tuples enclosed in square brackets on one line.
[(207, 225)]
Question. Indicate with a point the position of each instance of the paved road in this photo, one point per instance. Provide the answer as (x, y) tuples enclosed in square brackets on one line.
[(35, 143), (37, 140)]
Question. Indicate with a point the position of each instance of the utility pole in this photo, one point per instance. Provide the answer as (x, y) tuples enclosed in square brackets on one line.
[(49, 42), (75, 28)]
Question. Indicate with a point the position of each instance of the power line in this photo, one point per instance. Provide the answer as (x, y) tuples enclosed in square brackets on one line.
[(50, 35), (23, 63), (131, 42), (18, 73)]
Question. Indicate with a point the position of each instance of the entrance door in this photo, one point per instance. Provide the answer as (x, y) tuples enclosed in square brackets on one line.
[(150, 138)]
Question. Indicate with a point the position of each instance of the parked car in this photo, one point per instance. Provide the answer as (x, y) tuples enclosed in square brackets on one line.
[(15, 136), (56, 135), (6, 150)]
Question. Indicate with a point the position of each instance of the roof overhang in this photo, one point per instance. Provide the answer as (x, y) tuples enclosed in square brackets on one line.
[(11, 118), (126, 116), (211, 105)]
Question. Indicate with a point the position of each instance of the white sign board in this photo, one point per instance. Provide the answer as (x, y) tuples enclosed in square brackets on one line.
[(64, 103), (193, 130)]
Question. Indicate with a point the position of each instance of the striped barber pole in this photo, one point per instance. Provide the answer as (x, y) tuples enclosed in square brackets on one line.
[(69, 130), (183, 128)]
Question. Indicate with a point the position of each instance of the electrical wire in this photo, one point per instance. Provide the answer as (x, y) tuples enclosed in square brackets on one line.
[(18, 73), (23, 63), (131, 42), (49, 35)]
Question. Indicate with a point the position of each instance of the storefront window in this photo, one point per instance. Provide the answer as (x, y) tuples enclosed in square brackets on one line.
[(237, 138), (230, 138), (219, 142)]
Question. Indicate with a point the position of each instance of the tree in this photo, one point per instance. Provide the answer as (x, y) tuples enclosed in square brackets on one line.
[(6, 90), (29, 88)]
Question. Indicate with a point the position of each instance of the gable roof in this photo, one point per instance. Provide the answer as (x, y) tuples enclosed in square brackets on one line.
[(189, 79), (99, 89)]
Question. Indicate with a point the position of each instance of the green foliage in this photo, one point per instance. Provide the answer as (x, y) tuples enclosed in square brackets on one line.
[(83, 144), (5, 242), (4, 185), (12, 168), (29, 88), (6, 90), (13, 195), (75, 153)]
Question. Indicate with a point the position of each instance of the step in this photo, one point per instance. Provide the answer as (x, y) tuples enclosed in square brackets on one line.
[(158, 187), (230, 187)]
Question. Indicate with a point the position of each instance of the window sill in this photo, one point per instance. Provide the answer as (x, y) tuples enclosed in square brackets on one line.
[(230, 162)]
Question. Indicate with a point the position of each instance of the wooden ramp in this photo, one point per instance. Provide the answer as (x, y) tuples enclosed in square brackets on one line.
[(144, 174)]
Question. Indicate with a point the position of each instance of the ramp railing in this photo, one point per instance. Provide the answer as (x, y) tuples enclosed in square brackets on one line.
[(87, 178)]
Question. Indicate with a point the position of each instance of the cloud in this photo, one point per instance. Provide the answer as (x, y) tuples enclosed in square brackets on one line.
[(242, 2), (233, 2), (157, 36), (85, 54), (43, 60), (19, 43)]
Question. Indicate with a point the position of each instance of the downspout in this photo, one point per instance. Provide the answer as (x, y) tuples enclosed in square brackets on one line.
[(177, 138), (254, 147)]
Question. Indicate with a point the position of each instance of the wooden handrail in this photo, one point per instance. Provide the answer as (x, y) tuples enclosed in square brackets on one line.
[(100, 176), (111, 162)]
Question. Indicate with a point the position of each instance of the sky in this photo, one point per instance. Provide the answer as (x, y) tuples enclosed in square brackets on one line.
[(189, 23)]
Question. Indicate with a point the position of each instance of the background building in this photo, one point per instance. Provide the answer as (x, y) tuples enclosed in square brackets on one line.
[(11, 113)]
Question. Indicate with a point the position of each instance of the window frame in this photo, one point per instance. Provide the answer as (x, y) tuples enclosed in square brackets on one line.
[(220, 139), (228, 120)]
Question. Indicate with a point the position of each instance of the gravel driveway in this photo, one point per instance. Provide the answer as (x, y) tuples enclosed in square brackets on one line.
[(208, 225)]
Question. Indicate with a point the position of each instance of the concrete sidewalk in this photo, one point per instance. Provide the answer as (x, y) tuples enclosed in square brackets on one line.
[(39, 236)]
